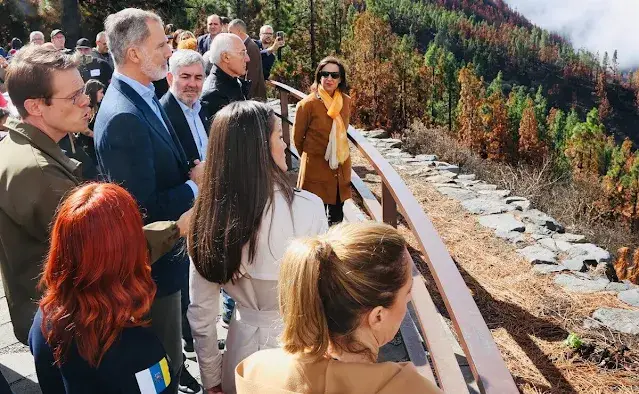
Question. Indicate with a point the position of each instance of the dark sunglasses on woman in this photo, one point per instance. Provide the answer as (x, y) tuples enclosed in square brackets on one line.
[(326, 74)]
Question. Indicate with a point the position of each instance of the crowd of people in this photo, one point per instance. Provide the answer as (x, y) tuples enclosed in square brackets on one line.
[(145, 183)]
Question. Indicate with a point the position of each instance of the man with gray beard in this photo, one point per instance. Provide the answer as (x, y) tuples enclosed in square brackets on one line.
[(137, 147)]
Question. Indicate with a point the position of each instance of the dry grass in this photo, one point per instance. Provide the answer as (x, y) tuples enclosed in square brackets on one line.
[(528, 315)]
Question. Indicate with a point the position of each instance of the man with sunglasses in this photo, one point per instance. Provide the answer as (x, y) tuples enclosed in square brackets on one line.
[(225, 85)]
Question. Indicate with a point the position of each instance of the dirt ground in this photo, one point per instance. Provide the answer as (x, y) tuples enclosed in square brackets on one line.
[(528, 315)]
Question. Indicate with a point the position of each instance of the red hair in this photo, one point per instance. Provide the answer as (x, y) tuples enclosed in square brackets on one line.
[(97, 276)]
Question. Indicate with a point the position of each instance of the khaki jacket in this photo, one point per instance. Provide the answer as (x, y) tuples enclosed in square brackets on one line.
[(274, 371), (35, 175), (311, 131)]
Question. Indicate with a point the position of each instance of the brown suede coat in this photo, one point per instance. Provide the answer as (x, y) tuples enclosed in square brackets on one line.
[(310, 132)]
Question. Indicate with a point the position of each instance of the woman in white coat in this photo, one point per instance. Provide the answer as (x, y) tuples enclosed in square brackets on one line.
[(244, 218)]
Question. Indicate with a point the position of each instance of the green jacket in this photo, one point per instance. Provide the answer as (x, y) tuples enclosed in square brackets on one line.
[(35, 175)]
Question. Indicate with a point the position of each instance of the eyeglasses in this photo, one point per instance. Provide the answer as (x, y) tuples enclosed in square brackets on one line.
[(243, 52), (326, 74), (75, 99)]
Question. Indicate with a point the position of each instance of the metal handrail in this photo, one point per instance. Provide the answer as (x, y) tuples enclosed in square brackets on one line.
[(488, 367)]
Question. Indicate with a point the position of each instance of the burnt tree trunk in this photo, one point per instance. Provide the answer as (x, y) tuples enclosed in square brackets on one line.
[(71, 21)]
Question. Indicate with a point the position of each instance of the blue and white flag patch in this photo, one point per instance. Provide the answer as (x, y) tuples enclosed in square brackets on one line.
[(154, 379)]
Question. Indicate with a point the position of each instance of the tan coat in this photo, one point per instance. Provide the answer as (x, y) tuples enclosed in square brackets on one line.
[(311, 132), (274, 371), (34, 177)]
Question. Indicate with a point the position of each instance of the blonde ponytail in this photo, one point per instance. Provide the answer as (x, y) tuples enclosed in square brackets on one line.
[(328, 282), (306, 329)]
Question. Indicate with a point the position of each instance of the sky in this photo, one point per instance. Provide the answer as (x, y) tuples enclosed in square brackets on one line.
[(596, 25)]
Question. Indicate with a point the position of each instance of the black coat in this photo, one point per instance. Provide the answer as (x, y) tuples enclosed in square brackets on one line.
[(221, 89), (181, 125)]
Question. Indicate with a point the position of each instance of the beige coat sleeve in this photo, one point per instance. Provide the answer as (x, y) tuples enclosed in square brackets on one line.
[(160, 238), (202, 314)]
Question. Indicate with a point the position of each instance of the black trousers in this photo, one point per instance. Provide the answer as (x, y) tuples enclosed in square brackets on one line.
[(335, 212)]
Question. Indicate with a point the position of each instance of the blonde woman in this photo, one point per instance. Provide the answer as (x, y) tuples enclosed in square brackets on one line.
[(342, 296)]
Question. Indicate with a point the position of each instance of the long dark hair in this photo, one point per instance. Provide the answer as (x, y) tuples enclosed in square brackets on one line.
[(91, 89), (343, 85), (240, 177)]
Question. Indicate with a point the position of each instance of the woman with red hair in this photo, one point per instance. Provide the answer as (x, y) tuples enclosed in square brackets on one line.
[(90, 334)]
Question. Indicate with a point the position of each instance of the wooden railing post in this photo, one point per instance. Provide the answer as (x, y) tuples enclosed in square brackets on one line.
[(286, 131), (389, 206)]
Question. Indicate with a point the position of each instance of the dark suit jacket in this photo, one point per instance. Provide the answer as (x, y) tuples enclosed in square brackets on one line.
[(221, 89), (181, 125), (135, 149), (204, 43), (254, 72)]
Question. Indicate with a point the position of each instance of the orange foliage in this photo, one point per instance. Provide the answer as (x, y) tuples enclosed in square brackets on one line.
[(531, 148)]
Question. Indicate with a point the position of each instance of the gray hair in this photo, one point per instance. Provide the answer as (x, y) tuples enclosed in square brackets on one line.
[(101, 34), (126, 29), (35, 34), (182, 58), (263, 28), (238, 24), (222, 43)]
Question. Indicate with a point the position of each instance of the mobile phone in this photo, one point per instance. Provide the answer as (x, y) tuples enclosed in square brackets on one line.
[(279, 35)]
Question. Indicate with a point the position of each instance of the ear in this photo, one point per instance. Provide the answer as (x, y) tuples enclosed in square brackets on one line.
[(34, 106), (376, 317), (134, 54), (169, 78)]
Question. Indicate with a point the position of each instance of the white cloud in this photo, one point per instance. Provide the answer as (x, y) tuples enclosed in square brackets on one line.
[(596, 25)]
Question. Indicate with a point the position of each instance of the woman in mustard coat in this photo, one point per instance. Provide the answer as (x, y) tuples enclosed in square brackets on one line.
[(320, 137)]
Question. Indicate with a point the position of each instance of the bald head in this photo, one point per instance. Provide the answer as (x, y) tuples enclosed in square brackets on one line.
[(214, 25)]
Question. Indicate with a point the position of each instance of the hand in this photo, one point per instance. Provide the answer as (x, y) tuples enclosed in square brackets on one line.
[(276, 45), (197, 173), (3, 62), (184, 222), (216, 389)]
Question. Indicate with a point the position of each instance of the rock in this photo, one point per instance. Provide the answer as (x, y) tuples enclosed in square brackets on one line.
[(511, 236), (589, 253), (372, 178), (622, 320), (457, 194), (454, 185), (537, 255), (512, 199), (411, 160), (522, 205), (555, 245), (535, 229), (440, 179), (538, 237), (580, 285), (630, 297), (630, 284), (446, 173), (505, 222), (575, 264), (568, 237), (620, 287), (497, 194), (466, 177), (484, 186), (466, 183), (450, 167), (392, 142), (426, 157), (399, 155), (541, 219), (378, 134), (545, 269), (483, 206), (421, 171)]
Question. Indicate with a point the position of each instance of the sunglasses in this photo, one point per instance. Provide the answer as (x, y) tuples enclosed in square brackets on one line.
[(326, 74)]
